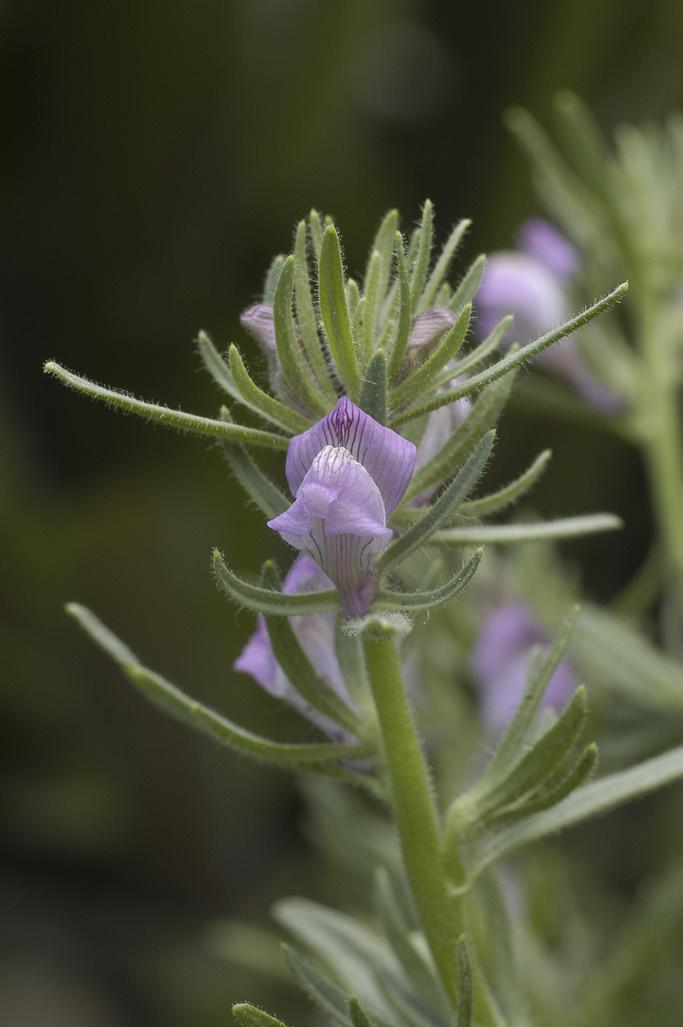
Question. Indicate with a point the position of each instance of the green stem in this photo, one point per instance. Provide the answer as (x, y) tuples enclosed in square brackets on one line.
[(413, 808)]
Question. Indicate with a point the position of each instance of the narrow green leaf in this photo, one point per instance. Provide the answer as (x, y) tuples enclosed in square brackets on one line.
[(481, 418), (419, 532), (216, 365), (504, 534), (359, 1018), (316, 230), (398, 350), (289, 351), (419, 380), (254, 397), (272, 278), (306, 315), (371, 296), (253, 480), (508, 494), (383, 244), (177, 419), (251, 1016), (265, 601), (589, 800), (434, 598), (373, 397), (467, 288), (570, 774), (442, 265), (464, 984), (519, 357), (330, 999), (334, 312), (299, 669), (187, 710), (480, 353), (424, 251)]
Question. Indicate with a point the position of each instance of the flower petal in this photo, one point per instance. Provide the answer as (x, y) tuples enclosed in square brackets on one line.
[(429, 326), (546, 244), (387, 456), (258, 321)]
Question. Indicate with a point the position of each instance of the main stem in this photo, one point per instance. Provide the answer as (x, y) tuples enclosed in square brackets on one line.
[(413, 808)]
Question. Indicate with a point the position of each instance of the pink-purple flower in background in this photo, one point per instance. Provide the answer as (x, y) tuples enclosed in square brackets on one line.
[(500, 663), (347, 474)]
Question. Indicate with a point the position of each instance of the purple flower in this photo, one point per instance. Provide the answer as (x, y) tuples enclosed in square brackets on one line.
[(500, 664), (316, 637), (258, 321), (429, 326), (347, 473), (441, 424), (531, 284)]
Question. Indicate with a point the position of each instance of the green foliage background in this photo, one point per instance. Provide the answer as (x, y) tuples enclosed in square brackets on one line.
[(156, 156)]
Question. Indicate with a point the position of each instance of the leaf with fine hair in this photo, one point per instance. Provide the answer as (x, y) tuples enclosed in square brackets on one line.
[(479, 354), (297, 667), (258, 486), (307, 317), (504, 534), (383, 244), (216, 365), (442, 265), (442, 507), (398, 349), (499, 500), (187, 710), (289, 352), (420, 379), (335, 314), (264, 600), (260, 402), (330, 999), (467, 288), (251, 1016), (431, 599), (419, 270), (464, 984), (517, 358), (165, 416), (359, 1018), (371, 297), (272, 278), (373, 397), (481, 418)]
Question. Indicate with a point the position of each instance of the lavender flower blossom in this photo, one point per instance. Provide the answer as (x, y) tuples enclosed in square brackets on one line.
[(429, 326), (531, 283), (500, 665), (316, 637), (347, 474), (258, 321)]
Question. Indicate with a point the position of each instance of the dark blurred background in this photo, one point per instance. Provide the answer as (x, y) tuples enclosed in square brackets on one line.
[(156, 155)]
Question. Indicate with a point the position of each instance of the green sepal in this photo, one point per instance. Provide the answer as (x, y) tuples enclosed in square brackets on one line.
[(258, 486), (251, 1016), (542, 531), (298, 669), (467, 288), (292, 362), (480, 419), (434, 598), (424, 251), (517, 358), (442, 507), (216, 365), (442, 265), (420, 379), (307, 317), (177, 419), (398, 350), (187, 710), (260, 402), (464, 983), (499, 500), (373, 397), (264, 600), (334, 312)]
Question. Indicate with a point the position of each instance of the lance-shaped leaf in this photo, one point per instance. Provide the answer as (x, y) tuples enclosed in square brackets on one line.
[(517, 358), (330, 999), (299, 670), (183, 708), (398, 350), (419, 380), (383, 244), (216, 365), (464, 984), (424, 252), (254, 397), (467, 288), (371, 296), (307, 317), (334, 311), (289, 352), (251, 1016), (479, 354), (496, 501), (373, 397), (442, 265), (461, 485), (431, 599), (177, 419), (480, 419), (264, 600), (258, 486), (315, 228), (572, 771), (590, 800), (504, 534), (359, 1018), (272, 278)]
